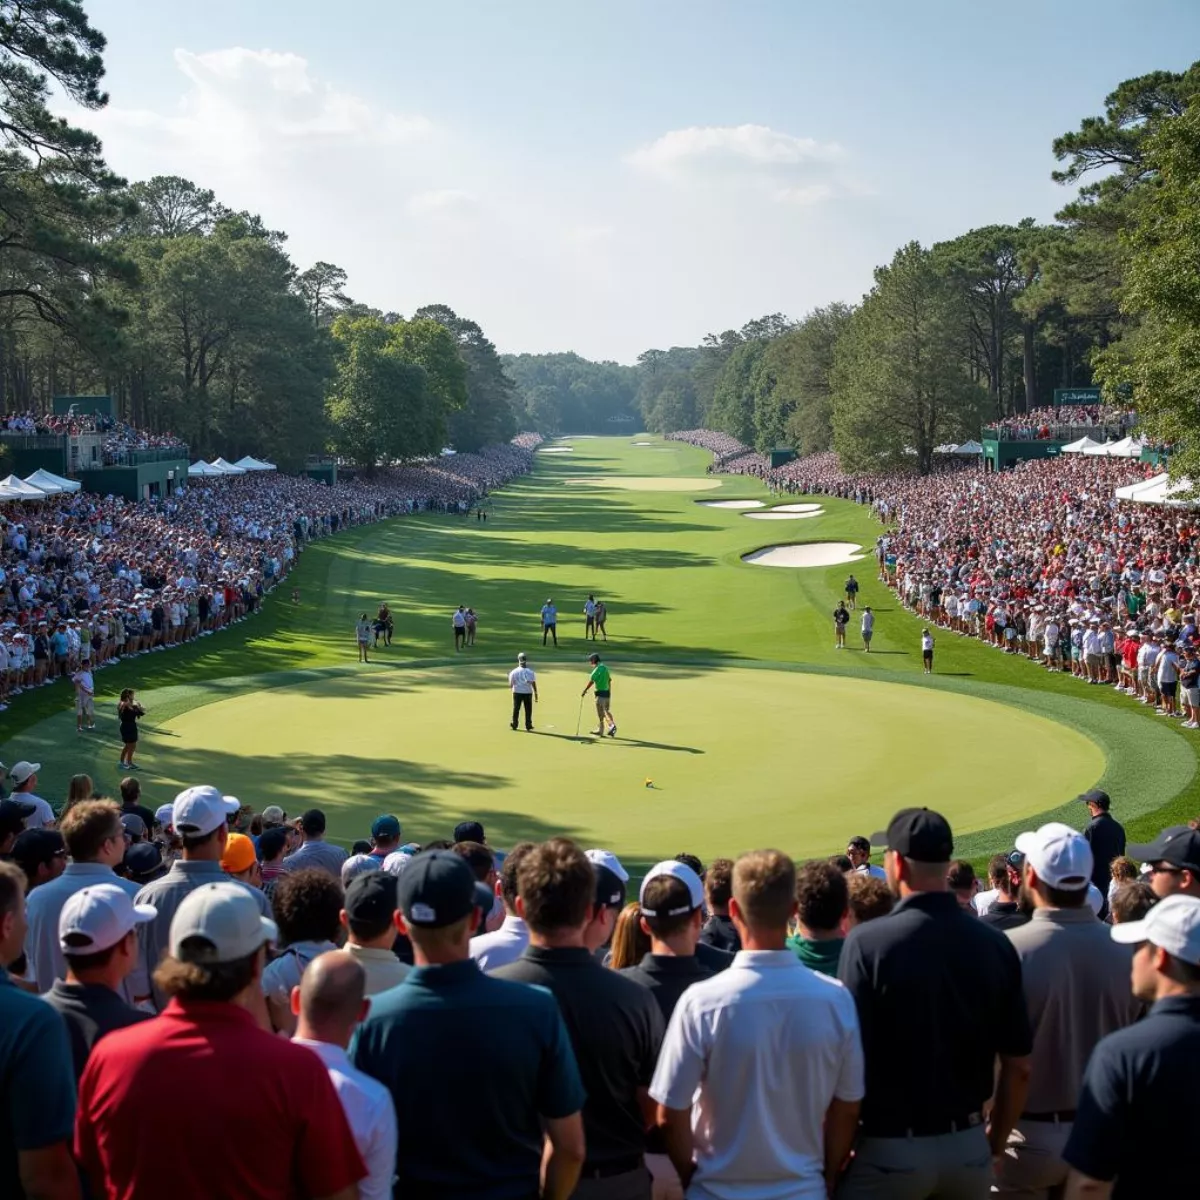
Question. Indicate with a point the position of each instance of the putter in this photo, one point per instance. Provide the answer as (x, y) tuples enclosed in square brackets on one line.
[(579, 716)]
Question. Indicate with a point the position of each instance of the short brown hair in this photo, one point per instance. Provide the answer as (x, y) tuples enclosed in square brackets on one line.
[(12, 888), (131, 789), (508, 872), (1132, 901), (718, 882), (478, 857), (764, 886), (960, 875), (88, 825), (557, 886), (1123, 868), (211, 981), (821, 896), (870, 897)]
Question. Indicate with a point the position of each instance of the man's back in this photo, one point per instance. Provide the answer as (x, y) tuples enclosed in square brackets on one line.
[(90, 1010), (206, 1066), (667, 977), (323, 856), (452, 1045), (938, 996), (1106, 836), (1076, 982), (616, 1029)]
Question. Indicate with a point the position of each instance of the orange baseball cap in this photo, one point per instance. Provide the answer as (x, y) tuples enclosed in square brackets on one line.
[(239, 854)]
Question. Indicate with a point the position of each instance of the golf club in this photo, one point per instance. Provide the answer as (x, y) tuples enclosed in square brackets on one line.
[(579, 716)]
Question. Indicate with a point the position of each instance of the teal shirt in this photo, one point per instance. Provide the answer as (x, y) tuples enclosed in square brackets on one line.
[(822, 957)]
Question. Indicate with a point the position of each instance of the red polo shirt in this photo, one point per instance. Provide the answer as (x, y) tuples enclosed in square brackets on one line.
[(201, 1103)]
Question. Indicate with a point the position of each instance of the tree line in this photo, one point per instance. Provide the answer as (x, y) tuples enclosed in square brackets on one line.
[(192, 315), (970, 330)]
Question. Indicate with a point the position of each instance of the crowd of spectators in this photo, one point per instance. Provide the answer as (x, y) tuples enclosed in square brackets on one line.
[(119, 438), (450, 1019), (86, 580), (1044, 423)]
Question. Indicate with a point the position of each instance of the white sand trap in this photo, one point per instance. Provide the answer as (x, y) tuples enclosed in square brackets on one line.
[(795, 508), (555, 450), (643, 443), (776, 515), (731, 503), (811, 554), (648, 483)]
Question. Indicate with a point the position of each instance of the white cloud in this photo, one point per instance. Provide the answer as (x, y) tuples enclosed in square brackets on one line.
[(788, 169), (442, 202)]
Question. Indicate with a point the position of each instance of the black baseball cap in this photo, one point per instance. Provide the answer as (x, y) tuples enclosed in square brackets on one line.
[(920, 834), (468, 831), (610, 888), (1097, 797), (313, 821), (36, 846), (271, 841), (371, 897), (1178, 845), (438, 888), (13, 814), (593, 658), (143, 861)]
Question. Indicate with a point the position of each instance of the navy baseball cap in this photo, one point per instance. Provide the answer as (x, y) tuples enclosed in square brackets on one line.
[(468, 831), (1178, 845), (13, 814), (371, 897), (385, 826), (920, 834), (437, 888), (1097, 797), (610, 888)]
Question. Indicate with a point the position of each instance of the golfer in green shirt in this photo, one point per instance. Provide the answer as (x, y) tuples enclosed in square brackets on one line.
[(601, 680)]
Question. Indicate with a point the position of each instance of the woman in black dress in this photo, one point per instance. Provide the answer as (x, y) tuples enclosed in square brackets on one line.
[(128, 712)]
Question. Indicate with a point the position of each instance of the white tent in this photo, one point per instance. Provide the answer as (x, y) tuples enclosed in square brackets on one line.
[(201, 469), (1165, 492), (1134, 490), (226, 468), (20, 490), (1080, 447), (1104, 451), (253, 464), (9, 494), (1127, 447), (971, 447), (50, 482)]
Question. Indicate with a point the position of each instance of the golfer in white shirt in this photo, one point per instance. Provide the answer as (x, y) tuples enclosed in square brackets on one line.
[(328, 1004), (522, 682), (760, 1076)]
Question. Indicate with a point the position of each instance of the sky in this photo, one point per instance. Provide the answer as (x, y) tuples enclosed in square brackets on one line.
[(609, 177)]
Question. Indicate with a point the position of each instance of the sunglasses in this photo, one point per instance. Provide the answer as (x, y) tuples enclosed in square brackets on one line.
[(1160, 869)]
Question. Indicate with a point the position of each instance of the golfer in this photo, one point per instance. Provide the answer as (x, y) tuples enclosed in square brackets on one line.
[(852, 591), (927, 650), (549, 621), (841, 618), (868, 627), (601, 618), (522, 682), (601, 680), (459, 621), (362, 631), (589, 613)]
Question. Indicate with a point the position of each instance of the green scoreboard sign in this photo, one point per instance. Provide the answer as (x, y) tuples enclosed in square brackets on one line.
[(1088, 395)]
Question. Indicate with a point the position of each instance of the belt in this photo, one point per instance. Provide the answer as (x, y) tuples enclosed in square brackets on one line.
[(1050, 1118), (613, 1166), (931, 1127)]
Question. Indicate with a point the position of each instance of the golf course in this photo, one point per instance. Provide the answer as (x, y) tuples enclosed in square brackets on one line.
[(739, 723)]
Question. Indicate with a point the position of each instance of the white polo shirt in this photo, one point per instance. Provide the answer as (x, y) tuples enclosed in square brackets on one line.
[(760, 1051), (502, 946), (520, 679)]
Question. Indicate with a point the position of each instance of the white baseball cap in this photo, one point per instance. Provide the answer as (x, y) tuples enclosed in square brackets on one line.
[(164, 814), (19, 772), (225, 916), (359, 864), (1172, 924), (397, 861), (1059, 854), (98, 917), (686, 876), (606, 858), (200, 810)]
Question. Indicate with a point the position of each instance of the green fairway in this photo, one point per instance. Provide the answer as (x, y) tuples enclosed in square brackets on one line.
[(729, 693)]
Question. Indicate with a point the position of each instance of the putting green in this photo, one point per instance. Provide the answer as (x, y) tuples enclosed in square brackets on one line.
[(434, 746), (647, 483)]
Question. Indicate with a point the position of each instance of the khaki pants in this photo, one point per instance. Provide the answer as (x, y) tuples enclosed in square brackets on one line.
[(1032, 1167), (951, 1166)]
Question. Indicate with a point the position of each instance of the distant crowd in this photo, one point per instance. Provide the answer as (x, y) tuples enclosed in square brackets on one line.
[(119, 437)]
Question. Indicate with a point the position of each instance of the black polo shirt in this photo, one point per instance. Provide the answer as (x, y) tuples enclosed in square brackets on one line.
[(721, 933), (616, 1029), (939, 996), (473, 1065), (1005, 914), (1139, 1107), (667, 977), (90, 1010), (713, 959), (1107, 838)]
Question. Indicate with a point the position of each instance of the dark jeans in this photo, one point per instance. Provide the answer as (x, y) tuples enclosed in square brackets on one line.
[(522, 700), (552, 630)]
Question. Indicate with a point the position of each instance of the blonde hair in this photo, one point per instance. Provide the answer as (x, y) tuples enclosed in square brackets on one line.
[(80, 788), (764, 886), (629, 943)]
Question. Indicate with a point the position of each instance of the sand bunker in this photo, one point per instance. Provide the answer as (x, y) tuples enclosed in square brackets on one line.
[(776, 515), (811, 554), (643, 443), (649, 483), (795, 508), (731, 503), (555, 450)]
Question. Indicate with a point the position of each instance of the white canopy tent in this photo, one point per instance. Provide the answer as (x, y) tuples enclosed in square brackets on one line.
[(226, 468), (202, 470), (20, 490), (971, 447), (1165, 492), (10, 494), (1104, 451), (1080, 447), (1127, 447), (1133, 490), (49, 482), (254, 464)]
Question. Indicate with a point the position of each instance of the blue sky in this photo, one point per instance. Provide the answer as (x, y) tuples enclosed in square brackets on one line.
[(606, 177)]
